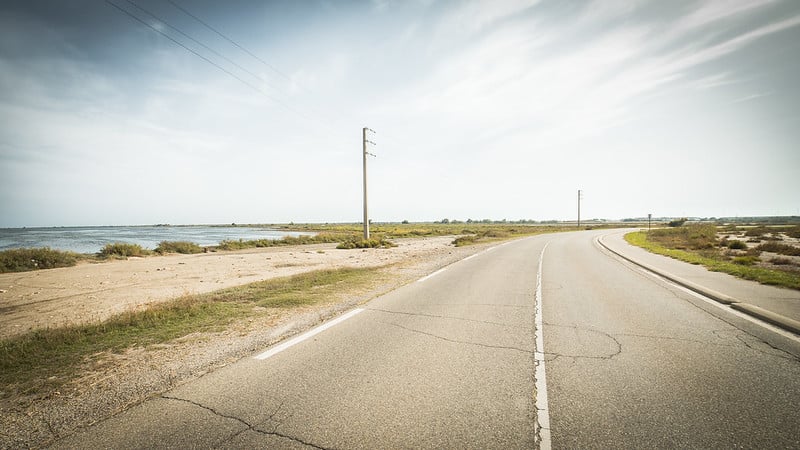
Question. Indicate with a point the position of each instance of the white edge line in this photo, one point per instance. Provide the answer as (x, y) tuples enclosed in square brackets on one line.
[(432, 275), (724, 307), (542, 411), (465, 259), (710, 301), (298, 339)]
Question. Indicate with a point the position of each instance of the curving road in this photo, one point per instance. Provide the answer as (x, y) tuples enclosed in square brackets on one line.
[(452, 361)]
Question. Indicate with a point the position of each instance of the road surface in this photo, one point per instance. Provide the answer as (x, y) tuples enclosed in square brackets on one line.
[(452, 361)]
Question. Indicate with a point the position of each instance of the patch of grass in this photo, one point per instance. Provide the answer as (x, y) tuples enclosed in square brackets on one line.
[(45, 359), (26, 259), (745, 260), (755, 273), (122, 250), (183, 247)]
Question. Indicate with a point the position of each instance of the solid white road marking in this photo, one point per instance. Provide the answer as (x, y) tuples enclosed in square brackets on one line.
[(281, 347), (432, 275), (543, 413), (465, 259), (716, 304)]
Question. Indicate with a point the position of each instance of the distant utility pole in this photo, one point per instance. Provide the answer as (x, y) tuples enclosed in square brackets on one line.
[(579, 208), (365, 141), (649, 218)]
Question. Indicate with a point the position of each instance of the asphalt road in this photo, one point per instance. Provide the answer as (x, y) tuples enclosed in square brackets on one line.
[(450, 361)]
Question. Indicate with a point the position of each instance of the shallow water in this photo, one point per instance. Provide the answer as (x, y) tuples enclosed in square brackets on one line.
[(92, 239)]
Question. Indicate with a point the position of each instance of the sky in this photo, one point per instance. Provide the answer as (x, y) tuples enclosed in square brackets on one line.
[(132, 112)]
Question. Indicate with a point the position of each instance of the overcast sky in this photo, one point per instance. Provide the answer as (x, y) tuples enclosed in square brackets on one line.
[(487, 109)]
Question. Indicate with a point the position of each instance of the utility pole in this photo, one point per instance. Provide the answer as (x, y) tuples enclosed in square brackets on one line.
[(365, 153), (649, 218), (579, 208)]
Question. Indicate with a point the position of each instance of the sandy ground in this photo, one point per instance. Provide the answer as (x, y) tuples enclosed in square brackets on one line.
[(95, 291)]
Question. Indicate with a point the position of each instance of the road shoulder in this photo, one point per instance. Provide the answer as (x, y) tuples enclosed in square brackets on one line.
[(778, 306)]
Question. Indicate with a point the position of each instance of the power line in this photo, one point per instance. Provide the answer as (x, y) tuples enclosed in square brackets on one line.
[(223, 69), (245, 82), (229, 40), (324, 121), (258, 77)]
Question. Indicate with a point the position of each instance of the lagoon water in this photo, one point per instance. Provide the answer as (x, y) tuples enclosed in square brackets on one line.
[(92, 239)]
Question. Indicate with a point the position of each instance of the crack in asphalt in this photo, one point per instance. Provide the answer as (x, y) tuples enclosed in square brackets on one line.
[(780, 353), (609, 336), (671, 338), (434, 316), (736, 333), (456, 341), (675, 291), (245, 423)]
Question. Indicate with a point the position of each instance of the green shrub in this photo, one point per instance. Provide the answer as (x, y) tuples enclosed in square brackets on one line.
[(184, 247), (123, 250), (365, 243), (737, 245), (677, 222), (25, 259)]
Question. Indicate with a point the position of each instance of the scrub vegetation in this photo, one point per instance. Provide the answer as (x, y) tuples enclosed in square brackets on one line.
[(320, 238), (26, 259), (183, 247), (736, 250), (46, 359), (122, 250)]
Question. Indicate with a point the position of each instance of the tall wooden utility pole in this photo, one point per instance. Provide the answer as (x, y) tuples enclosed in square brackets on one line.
[(579, 208), (365, 153)]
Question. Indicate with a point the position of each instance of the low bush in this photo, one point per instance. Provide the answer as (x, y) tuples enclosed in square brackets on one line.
[(25, 259), (737, 245), (184, 247), (365, 243), (756, 232), (781, 261), (122, 250), (462, 241), (781, 249), (677, 223)]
